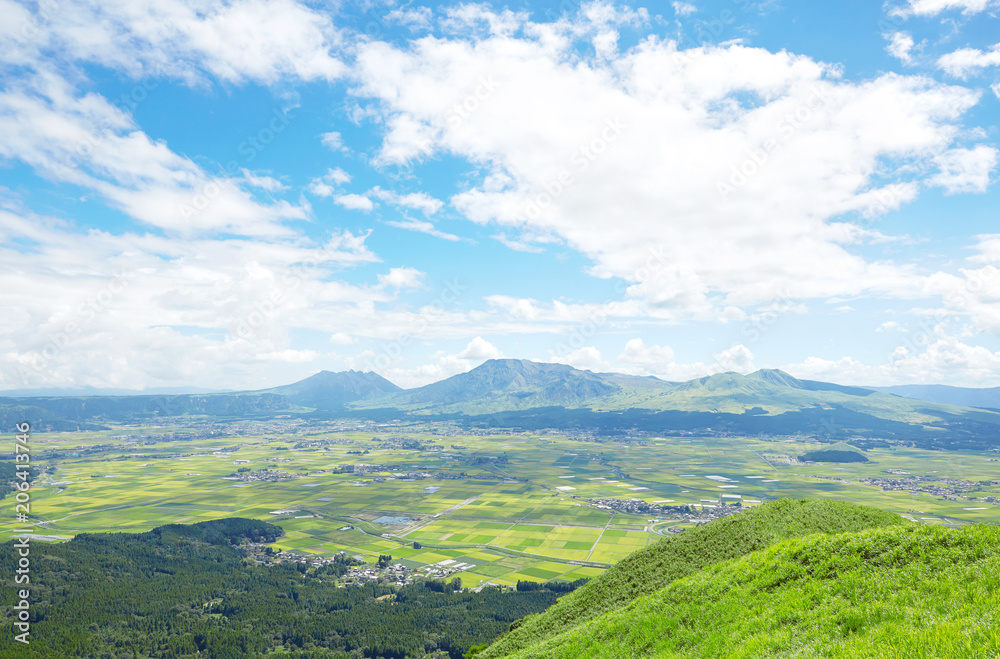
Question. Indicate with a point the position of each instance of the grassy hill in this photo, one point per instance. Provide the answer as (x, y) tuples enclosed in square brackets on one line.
[(655, 567), (898, 592), (839, 452)]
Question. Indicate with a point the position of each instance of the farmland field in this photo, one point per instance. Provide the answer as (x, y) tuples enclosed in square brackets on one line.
[(509, 506)]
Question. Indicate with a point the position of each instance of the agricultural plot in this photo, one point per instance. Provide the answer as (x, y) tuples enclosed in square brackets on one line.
[(509, 506)]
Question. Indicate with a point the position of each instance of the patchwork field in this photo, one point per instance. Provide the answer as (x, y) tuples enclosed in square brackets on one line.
[(504, 506)]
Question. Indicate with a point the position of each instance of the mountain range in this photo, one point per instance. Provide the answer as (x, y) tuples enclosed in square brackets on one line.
[(533, 395), (987, 397)]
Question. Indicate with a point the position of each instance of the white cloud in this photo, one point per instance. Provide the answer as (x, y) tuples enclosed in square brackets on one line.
[(652, 359), (522, 309), (527, 241), (683, 8), (402, 278), (737, 358), (135, 310), (585, 358), (660, 361), (442, 365), (84, 140), (420, 201), (889, 325), (245, 40), (478, 19), (935, 7), (966, 62), (564, 314), (355, 202), (320, 188), (415, 18), (342, 339), (332, 140), (516, 244), (940, 359), (422, 226), (965, 170), (900, 46), (325, 186), (337, 175), (479, 349), (263, 182), (987, 248), (588, 167)]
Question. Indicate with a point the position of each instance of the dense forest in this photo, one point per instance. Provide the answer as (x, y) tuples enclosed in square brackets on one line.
[(185, 591)]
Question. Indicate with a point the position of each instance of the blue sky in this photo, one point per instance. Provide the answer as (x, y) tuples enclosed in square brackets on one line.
[(239, 194)]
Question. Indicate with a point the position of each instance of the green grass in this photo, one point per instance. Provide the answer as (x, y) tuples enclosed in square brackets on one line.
[(900, 592), (656, 566)]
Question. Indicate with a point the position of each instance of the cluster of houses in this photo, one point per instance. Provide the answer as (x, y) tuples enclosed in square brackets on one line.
[(706, 510), (263, 475), (946, 488), (360, 572)]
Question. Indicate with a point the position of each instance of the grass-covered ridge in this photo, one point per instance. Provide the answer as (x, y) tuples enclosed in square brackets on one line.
[(902, 592), (655, 567)]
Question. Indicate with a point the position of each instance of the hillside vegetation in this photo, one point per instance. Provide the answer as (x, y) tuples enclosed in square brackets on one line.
[(182, 591), (650, 569), (901, 592)]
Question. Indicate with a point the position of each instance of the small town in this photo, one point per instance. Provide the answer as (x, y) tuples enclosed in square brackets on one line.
[(947, 488), (354, 570), (703, 512)]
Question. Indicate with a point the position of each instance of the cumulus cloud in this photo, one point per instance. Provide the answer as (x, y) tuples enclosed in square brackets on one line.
[(739, 214), (965, 170), (402, 278), (966, 62), (737, 358), (479, 349), (245, 40), (683, 8), (935, 7), (652, 359), (326, 185), (585, 358), (641, 359), (442, 365), (931, 357), (356, 202), (136, 310), (414, 18), (342, 339), (332, 140), (900, 46)]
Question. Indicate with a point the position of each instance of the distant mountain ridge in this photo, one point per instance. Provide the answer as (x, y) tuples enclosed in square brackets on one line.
[(941, 393), (511, 384), (537, 395), (328, 390)]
